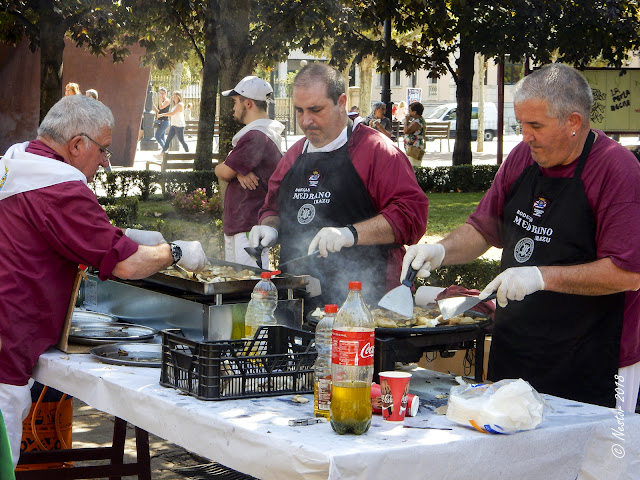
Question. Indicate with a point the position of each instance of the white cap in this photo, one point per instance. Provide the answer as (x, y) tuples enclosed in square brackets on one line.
[(251, 87)]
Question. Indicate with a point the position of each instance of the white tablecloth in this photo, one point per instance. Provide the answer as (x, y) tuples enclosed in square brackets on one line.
[(253, 436)]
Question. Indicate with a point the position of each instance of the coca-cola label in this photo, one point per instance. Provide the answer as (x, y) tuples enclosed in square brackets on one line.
[(352, 348)]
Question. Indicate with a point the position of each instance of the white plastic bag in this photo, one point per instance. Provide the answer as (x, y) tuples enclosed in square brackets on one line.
[(507, 406)]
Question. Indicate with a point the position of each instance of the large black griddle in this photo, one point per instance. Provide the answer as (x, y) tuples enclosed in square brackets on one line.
[(407, 345), (482, 322), (282, 281)]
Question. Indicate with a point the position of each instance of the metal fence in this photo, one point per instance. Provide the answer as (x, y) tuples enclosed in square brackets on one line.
[(190, 89)]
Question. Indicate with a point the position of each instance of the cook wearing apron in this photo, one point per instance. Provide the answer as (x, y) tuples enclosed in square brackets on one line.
[(323, 189), (565, 345)]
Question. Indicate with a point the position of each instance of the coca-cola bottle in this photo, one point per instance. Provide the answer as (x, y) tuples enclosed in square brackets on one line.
[(352, 365)]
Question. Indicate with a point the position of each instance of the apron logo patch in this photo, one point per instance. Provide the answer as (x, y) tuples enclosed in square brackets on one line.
[(314, 178), (539, 205), (306, 213), (523, 250), (4, 177)]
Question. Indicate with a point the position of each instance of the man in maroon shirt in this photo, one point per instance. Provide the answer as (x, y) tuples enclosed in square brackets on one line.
[(52, 222), (565, 208), (349, 193), (248, 167)]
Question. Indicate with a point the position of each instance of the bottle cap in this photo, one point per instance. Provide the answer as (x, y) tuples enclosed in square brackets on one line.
[(355, 285), (270, 274), (331, 308)]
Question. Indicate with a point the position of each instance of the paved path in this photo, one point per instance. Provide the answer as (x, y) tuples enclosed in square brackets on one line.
[(433, 156), (92, 428)]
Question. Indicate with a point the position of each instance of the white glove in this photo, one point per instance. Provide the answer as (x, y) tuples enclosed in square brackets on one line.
[(193, 257), (145, 237), (331, 239), (423, 258), (263, 235), (514, 283)]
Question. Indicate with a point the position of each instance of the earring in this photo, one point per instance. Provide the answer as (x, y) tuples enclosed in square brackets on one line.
[(573, 133)]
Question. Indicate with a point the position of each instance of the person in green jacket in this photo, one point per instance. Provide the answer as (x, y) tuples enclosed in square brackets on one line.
[(6, 461)]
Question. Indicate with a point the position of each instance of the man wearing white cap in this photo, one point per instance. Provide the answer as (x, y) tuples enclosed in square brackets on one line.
[(248, 167)]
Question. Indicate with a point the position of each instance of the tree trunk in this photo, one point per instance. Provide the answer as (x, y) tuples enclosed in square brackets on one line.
[(366, 76), (52, 30), (209, 91), (345, 76), (236, 62), (464, 97), (481, 73)]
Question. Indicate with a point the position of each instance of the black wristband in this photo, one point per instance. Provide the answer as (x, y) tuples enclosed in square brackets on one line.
[(176, 253), (353, 230)]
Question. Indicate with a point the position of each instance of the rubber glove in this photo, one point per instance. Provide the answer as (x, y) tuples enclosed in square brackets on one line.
[(514, 283), (423, 258), (193, 257), (263, 235), (331, 239), (145, 237)]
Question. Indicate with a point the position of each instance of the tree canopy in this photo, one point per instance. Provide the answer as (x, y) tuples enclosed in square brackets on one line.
[(441, 30), (92, 24)]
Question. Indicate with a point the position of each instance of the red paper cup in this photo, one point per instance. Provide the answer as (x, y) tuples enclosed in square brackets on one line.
[(394, 388), (413, 402)]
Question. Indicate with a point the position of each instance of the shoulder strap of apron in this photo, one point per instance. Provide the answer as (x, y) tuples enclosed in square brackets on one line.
[(585, 153)]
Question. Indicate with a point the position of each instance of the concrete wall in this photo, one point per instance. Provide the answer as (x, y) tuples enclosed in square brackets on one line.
[(122, 87), (19, 97)]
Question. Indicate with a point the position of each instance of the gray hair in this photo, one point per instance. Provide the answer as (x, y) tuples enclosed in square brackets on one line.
[(379, 105), (318, 72), (73, 115), (92, 93), (563, 88)]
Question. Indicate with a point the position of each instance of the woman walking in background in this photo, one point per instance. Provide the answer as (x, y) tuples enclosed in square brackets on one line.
[(71, 89), (401, 111), (161, 109), (177, 123), (414, 134)]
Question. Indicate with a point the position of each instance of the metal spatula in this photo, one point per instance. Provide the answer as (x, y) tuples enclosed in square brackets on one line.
[(452, 306), (400, 300), (256, 254)]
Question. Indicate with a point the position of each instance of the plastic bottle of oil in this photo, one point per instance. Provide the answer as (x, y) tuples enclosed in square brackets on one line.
[(322, 367), (352, 365), (263, 303)]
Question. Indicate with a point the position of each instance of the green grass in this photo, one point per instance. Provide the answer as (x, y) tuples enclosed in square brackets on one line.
[(447, 211)]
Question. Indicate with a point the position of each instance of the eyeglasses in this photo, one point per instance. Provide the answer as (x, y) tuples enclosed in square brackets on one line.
[(103, 150)]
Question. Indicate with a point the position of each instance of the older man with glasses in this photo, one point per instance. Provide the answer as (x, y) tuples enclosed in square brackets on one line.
[(51, 222)]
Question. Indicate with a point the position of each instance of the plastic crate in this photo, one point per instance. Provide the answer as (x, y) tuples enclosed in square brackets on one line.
[(278, 360)]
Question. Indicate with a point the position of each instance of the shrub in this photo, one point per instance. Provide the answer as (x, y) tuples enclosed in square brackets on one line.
[(197, 203), (475, 274), (122, 211)]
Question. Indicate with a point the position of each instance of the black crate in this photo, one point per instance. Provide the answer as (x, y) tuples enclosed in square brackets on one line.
[(277, 361)]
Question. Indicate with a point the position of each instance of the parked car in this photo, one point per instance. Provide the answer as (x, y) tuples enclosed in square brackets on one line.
[(447, 113)]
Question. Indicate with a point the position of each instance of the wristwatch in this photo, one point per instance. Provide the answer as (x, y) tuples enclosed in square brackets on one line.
[(176, 253)]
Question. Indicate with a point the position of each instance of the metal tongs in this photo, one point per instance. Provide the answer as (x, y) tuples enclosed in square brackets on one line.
[(256, 254)]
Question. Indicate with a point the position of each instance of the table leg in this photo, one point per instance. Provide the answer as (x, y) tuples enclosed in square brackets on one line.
[(142, 454), (479, 356), (117, 444), (115, 454)]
